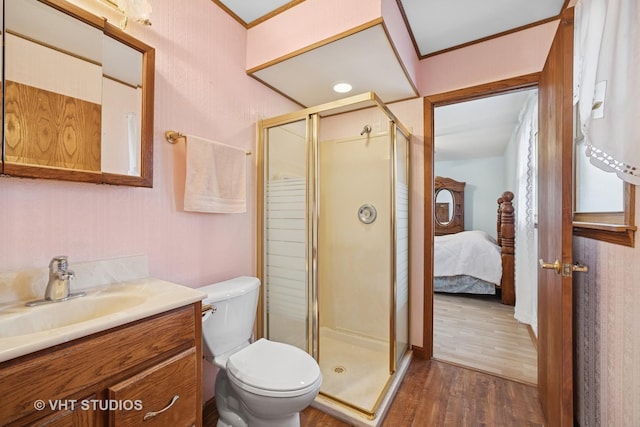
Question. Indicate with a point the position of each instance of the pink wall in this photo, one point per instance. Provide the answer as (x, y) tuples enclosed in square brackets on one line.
[(201, 88), (309, 22), (607, 342), (512, 55), (401, 40)]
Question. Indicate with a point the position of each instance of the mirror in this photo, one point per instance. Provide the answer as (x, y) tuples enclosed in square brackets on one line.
[(78, 96), (444, 206), (449, 206)]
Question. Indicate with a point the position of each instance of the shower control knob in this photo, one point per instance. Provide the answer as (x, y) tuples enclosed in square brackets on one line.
[(367, 214)]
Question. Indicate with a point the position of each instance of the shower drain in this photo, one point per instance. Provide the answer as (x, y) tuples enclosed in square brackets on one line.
[(339, 369)]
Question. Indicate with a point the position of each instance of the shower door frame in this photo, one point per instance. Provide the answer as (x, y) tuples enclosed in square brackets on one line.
[(311, 117)]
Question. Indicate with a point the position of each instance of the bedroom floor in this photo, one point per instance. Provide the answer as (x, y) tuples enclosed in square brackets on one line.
[(479, 332)]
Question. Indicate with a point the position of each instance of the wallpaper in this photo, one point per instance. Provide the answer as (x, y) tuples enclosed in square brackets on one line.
[(606, 336)]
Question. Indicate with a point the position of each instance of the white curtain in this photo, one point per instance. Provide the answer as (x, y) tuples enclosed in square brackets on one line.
[(607, 83), (526, 269)]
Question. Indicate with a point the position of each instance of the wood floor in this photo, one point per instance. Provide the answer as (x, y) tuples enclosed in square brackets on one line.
[(480, 332), (438, 394)]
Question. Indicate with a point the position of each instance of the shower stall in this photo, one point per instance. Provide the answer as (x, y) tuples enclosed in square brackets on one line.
[(334, 244)]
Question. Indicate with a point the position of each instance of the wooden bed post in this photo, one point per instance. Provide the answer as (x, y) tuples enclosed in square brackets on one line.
[(499, 221), (506, 239)]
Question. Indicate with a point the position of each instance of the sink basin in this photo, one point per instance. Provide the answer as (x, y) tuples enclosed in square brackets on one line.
[(24, 330), (29, 320)]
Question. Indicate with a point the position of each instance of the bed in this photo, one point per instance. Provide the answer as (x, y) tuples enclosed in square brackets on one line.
[(471, 261)]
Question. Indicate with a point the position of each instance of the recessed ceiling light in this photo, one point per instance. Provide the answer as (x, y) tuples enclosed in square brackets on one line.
[(342, 87)]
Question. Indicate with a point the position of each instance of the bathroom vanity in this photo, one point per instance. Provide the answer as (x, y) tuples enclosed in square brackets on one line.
[(112, 378), (129, 353)]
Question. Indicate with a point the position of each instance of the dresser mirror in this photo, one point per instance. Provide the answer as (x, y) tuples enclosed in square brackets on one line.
[(449, 206), (444, 206), (78, 96)]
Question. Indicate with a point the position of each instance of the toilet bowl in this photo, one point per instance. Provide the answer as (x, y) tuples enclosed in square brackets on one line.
[(260, 384), (274, 382)]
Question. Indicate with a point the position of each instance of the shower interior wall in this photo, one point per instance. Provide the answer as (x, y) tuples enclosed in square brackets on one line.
[(354, 259)]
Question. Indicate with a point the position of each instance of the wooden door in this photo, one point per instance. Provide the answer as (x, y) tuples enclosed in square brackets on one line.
[(555, 305)]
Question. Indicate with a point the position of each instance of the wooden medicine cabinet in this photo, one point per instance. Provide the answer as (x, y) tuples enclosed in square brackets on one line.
[(78, 97)]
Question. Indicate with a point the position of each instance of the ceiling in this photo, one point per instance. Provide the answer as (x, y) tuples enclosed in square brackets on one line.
[(309, 77), (368, 61), (478, 128), (439, 25)]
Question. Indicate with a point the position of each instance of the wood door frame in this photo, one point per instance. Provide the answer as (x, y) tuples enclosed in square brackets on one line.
[(430, 102)]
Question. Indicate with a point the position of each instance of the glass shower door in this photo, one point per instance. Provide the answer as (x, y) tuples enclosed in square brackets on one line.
[(401, 262), (285, 285)]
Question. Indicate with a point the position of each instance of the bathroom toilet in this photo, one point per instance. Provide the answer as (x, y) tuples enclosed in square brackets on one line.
[(260, 384)]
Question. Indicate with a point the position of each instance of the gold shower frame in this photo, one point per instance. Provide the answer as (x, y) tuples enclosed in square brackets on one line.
[(311, 117)]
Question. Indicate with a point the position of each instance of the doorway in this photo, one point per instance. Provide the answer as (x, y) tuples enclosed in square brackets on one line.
[(462, 122)]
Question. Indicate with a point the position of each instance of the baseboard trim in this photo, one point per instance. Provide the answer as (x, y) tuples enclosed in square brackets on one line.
[(419, 352), (534, 338), (482, 371)]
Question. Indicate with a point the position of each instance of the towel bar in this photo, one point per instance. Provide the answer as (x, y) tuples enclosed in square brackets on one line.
[(173, 137)]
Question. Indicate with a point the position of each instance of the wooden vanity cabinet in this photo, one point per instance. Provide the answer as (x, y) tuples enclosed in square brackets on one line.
[(112, 378)]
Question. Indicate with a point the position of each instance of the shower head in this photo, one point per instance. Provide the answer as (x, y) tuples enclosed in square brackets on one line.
[(367, 130)]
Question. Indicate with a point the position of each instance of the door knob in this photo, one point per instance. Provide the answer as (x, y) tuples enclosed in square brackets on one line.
[(548, 266), (567, 270)]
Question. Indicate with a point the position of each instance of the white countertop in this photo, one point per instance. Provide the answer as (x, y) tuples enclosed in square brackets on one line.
[(143, 298)]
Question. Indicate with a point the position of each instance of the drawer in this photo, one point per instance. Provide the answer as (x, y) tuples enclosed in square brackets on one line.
[(163, 395)]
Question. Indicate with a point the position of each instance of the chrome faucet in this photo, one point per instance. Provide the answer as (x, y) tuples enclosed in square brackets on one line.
[(58, 287), (59, 279)]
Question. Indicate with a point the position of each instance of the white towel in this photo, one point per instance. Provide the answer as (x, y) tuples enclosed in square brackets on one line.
[(216, 177)]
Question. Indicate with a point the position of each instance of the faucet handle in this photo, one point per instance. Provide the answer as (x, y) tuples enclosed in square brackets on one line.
[(59, 263)]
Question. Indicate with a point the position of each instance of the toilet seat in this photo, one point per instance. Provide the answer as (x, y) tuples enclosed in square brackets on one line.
[(273, 369)]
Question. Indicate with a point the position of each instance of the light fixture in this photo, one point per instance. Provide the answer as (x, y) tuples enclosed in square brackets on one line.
[(136, 10), (342, 87)]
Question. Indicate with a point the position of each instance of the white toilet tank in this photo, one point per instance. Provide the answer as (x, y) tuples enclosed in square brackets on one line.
[(234, 305)]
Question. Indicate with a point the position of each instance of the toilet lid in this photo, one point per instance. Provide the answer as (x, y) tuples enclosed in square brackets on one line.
[(272, 366)]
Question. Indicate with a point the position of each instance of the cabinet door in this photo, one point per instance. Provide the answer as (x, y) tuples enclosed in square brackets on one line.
[(163, 395), (72, 412), (69, 418)]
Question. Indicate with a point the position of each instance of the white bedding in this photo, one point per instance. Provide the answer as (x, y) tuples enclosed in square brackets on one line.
[(472, 253)]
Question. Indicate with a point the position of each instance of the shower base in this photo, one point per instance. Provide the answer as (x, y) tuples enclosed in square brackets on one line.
[(355, 374)]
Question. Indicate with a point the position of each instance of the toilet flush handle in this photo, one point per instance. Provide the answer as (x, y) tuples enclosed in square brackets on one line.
[(207, 311)]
